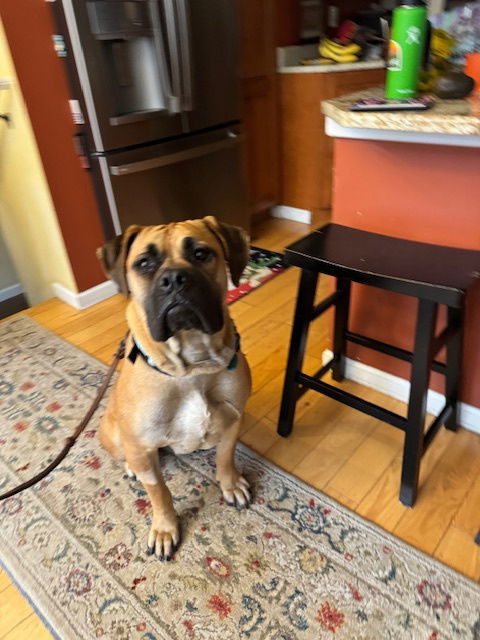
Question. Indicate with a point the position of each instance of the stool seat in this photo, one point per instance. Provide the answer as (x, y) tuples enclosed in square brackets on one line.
[(432, 272)]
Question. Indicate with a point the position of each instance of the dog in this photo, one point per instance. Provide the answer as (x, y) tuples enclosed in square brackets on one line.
[(185, 381)]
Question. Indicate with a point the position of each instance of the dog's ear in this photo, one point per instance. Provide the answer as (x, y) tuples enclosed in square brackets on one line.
[(235, 243), (113, 256)]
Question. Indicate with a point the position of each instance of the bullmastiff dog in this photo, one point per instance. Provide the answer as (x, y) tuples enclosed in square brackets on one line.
[(185, 382)]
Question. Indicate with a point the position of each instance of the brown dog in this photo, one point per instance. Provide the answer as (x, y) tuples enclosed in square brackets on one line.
[(184, 383)]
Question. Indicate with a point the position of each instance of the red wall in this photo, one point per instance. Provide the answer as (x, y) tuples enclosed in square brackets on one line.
[(29, 28), (418, 192)]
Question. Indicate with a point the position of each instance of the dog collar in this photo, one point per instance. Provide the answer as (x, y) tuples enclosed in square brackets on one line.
[(137, 350)]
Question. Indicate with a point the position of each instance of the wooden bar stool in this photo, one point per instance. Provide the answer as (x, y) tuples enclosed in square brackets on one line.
[(433, 274)]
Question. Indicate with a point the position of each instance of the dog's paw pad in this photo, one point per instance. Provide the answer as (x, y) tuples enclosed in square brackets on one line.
[(238, 494), (129, 473), (163, 541)]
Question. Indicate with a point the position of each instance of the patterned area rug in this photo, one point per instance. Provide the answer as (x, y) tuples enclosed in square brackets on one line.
[(296, 565), (262, 266)]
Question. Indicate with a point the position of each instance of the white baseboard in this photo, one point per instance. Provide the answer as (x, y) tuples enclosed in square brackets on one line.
[(87, 298), (399, 388), (292, 213), (11, 291)]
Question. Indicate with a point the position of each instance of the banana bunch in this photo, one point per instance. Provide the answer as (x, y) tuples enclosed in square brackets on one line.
[(338, 52)]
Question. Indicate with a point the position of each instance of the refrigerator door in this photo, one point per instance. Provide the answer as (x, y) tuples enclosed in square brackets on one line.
[(177, 180), (127, 74), (209, 43)]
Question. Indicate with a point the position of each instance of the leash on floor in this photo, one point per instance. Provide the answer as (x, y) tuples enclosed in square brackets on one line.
[(119, 354)]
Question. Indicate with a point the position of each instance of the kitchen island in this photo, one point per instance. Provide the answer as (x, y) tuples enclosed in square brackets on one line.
[(414, 176)]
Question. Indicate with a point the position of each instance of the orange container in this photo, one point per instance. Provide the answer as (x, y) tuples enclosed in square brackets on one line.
[(472, 68)]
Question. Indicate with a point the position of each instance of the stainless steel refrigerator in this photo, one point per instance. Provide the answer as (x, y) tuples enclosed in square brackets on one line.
[(155, 94)]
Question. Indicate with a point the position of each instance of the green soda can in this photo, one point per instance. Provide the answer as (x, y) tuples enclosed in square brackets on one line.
[(406, 49)]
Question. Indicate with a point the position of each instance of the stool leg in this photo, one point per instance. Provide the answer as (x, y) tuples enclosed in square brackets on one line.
[(454, 367), (341, 325), (422, 359), (298, 341)]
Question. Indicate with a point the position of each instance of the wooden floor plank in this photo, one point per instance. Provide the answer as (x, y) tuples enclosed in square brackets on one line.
[(4, 580), (467, 517), (368, 462), (260, 437), (340, 497), (13, 609), (381, 504), (31, 628), (458, 549), (441, 497), (339, 435)]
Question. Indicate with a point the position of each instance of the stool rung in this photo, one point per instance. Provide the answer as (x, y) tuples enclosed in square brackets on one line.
[(435, 426), (352, 401), (325, 304), (318, 374), (390, 350)]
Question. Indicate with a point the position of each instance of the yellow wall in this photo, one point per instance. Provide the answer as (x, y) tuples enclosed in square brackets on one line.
[(28, 220)]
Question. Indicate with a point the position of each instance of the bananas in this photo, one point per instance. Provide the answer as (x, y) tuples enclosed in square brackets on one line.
[(338, 52), (315, 62)]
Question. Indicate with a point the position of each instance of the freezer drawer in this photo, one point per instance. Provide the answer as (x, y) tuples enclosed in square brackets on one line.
[(203, 175)]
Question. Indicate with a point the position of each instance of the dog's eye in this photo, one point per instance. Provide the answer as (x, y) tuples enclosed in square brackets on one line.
[(145, 264), (201, 254)]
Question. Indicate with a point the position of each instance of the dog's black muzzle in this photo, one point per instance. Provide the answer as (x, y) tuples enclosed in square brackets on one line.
[(183, 298)]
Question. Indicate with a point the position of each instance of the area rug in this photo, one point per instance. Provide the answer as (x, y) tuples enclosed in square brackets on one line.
[(262, 266), (296, 565)]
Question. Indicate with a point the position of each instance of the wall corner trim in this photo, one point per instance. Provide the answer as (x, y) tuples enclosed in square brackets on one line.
[(399, 388), (87, 298)]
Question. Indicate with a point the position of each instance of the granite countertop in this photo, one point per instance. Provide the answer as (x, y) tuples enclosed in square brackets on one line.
[(446, 116)]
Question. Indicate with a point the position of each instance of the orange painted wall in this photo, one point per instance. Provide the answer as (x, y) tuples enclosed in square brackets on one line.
[(419, 192), (29, 28)]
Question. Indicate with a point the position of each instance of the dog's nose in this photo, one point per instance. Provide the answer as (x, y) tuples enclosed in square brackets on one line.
[(173, 280)]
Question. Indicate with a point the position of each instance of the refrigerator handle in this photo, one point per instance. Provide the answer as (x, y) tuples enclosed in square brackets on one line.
[(171, 88), (186, 54), (174, 54), (232, 139)]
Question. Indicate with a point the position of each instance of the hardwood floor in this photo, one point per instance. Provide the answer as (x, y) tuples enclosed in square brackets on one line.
[(353, 458)]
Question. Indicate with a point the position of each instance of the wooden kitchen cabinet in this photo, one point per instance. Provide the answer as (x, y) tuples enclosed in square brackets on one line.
[(306, 155), (259, 103)]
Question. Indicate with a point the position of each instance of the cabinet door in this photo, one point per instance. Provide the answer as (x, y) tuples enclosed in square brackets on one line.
[(257, 42), (259, 115), (301, 140), (341, 84), (306, 151), (258, 70)]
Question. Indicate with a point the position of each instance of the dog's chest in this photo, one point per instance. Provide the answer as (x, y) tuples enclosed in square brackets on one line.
[(188, 421)]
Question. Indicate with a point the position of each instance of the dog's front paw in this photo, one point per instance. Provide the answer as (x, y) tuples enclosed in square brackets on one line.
[(236, 491), (164, 537)]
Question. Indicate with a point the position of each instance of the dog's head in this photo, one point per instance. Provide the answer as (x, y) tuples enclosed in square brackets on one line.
[(177, 272)]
